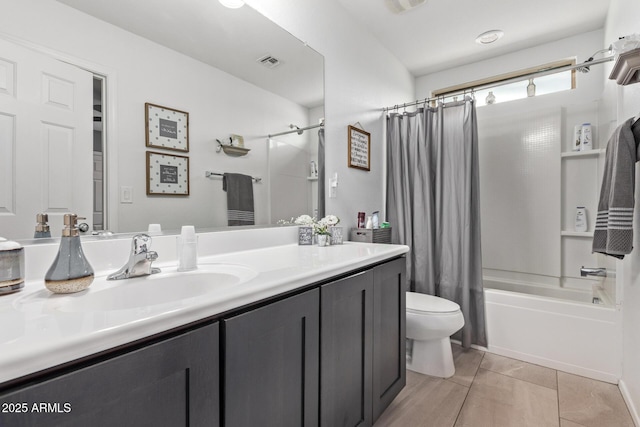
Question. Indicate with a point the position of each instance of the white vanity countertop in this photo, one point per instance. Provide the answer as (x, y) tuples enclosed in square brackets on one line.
[(38, 333)]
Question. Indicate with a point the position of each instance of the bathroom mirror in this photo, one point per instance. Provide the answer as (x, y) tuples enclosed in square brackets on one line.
[(232, 70)]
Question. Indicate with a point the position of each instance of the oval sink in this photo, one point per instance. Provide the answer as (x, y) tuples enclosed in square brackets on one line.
[(169, 286)]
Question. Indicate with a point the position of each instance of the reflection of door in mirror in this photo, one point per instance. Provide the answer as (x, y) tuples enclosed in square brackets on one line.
[(45, 141), (99, 216)]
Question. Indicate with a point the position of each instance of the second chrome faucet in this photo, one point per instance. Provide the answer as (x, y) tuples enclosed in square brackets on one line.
[(140, 260)]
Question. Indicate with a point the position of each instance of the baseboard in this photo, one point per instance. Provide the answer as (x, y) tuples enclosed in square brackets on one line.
[(553, 364), (476, 347), (630, 403)]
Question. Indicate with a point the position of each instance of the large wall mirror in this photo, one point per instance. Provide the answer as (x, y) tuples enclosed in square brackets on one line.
[(79, 143)]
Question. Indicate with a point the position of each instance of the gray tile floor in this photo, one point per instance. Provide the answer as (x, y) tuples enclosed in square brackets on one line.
[(494, 391)]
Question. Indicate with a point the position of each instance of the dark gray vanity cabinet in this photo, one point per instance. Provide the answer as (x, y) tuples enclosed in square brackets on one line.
[(332, 354), (174, 382), (362, 340), (389, 333), (346, 351), (271, 364)]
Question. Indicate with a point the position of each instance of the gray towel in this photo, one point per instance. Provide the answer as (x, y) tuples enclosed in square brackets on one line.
[(239, 190), (613, 234)]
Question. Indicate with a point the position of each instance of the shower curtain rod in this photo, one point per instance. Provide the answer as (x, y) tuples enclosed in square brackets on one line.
[(540, 73), (298, 131)]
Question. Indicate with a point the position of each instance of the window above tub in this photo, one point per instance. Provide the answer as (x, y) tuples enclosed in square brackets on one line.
[(536, 81)]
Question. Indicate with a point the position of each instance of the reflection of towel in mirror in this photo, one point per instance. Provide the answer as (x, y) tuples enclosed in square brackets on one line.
[(239, 190), (613, 234)]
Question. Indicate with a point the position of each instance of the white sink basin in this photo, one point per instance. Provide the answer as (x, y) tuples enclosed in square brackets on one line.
[(169, 286)]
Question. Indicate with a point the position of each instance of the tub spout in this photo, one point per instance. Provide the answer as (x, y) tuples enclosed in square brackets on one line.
[(586, 271)]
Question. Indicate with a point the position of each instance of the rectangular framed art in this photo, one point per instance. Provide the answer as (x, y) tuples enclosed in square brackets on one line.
[(359, 149), (167, 174), (166, 128)]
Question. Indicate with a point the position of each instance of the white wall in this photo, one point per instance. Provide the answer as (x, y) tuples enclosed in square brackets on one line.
[(624, 19), (218, 103), (361, 77)]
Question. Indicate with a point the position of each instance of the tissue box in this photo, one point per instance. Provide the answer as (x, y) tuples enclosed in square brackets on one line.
[(371, 235)]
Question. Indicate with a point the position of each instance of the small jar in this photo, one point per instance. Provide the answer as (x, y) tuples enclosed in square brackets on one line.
[(11, 266)]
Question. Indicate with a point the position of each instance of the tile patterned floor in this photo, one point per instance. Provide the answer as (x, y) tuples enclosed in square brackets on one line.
[(494, 391)]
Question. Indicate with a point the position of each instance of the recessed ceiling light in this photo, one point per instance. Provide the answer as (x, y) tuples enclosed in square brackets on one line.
[(232, 4), (489, 37)]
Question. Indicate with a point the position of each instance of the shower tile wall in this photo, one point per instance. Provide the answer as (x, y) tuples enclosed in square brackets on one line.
[(529, 193), (288, 171), (520, 188)]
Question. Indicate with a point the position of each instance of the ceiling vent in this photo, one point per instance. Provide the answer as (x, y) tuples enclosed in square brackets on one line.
[(269, 61), (399, 6)]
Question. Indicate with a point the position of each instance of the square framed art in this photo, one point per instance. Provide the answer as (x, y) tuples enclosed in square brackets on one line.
[(166, 128), (167, 174)]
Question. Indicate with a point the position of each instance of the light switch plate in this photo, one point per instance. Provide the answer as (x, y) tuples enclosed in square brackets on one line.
[(126, 194)]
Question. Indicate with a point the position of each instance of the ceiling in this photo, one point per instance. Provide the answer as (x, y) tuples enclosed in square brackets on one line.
[(228, 39), (434, 36), (440, 34)]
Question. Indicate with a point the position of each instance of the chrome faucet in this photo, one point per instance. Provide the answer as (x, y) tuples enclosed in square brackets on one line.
[(140, 260), (586, 271)]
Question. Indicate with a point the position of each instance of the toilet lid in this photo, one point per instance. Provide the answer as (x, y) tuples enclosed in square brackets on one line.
[(422, 303)]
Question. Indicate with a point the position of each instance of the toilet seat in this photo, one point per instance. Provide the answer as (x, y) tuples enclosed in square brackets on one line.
[(429, 304)]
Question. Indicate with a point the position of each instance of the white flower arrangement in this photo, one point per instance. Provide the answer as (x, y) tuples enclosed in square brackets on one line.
[(319, 227), (330, 220), (304, 220)]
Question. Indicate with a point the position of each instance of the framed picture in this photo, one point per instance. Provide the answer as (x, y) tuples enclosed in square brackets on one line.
[(166, 128), (359, 149), (167, 174)]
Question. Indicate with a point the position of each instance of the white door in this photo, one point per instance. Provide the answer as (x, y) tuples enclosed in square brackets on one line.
[(46, 141)]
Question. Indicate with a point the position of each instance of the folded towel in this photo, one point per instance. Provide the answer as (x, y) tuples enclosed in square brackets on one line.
[(239, 190), (613, 233)]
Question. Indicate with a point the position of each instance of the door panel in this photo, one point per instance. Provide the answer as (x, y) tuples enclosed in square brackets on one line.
[(346, 353), (271, 364), (46, 146)]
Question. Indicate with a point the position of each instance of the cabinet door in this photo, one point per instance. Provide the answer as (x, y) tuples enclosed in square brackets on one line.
[(170, 383), (346, 354), (271, 364), (389, 336)]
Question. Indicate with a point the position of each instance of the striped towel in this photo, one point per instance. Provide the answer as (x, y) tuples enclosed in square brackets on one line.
[(239, 190), (613, 233)]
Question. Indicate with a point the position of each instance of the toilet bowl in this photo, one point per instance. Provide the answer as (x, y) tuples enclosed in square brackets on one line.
[(430, 322)]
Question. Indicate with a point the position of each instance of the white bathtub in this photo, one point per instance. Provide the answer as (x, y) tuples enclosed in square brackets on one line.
[(558, 328)]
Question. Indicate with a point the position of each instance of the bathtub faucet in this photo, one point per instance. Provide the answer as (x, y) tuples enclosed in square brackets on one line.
[(586, 271)]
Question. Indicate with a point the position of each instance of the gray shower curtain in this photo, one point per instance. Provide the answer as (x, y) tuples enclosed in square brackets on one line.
[(433, 205)]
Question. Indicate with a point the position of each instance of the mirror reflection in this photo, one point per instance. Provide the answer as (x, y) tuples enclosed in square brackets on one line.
[(79, 144)]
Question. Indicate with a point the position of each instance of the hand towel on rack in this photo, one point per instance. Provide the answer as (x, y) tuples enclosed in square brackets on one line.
[(613, 234), (239, 190)]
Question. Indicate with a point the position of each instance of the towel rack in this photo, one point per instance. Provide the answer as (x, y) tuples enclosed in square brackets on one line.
[(210, 174)]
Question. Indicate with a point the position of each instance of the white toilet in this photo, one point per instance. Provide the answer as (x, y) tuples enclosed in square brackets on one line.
[(430, 322)]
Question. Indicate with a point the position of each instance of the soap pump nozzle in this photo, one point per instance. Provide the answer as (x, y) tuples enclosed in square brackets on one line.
[(42, 228), (71, 225)]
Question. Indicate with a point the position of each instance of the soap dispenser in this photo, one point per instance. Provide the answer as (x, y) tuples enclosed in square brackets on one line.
[(70, 271), (42, 228)]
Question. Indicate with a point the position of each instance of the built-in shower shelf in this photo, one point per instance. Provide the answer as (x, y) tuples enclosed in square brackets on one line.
[(576, 233), (587, 153)]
